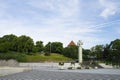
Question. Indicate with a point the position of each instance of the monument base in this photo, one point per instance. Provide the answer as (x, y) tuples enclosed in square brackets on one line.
[(84, 65)]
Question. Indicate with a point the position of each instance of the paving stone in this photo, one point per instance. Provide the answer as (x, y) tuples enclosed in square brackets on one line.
[(54, 75)]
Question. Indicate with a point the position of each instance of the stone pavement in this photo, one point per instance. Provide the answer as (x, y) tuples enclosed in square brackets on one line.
[(12, 70), (38, 74)]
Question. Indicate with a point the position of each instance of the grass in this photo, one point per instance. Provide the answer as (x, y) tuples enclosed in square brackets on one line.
[(36, 57), (52, 58)]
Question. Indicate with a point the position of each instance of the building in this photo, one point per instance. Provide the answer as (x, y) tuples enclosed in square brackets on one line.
[(72, 43)]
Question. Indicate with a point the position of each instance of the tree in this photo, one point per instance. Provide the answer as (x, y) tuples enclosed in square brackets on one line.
[(56, 47), (47, 47), (71, 51), (114, 52), (97, 51), (25, 44), (115, 45), (7, 43), (39, 46), (86, 54), (4, 47)]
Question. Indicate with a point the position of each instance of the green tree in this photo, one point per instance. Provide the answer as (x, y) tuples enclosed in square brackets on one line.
[(97, 51), (48, 47), (106, 51), (86, 54), (56, 47), (4, 47), (7, 43), (25, 44), (39, 46), (114, 52), (71, 51)]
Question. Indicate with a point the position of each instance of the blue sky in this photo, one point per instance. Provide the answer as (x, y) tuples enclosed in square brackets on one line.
[(92, 21)]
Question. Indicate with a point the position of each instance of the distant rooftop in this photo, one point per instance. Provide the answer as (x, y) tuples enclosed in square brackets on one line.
[(72, 43)]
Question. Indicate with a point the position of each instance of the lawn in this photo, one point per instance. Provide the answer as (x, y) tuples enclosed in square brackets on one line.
[(52, 58), (21, 57)]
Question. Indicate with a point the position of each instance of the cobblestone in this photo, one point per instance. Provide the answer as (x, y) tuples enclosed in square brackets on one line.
[(56, 75)]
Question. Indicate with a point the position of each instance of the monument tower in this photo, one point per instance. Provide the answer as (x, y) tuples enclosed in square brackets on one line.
[(80, 51)]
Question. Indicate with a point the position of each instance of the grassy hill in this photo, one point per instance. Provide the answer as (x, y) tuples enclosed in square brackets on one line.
[(52, 58), (21, 57)]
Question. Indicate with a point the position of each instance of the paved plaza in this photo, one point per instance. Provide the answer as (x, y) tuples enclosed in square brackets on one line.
[(41, 74)]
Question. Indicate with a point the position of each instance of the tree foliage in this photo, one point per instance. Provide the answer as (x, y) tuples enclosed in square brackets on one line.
[(112, 52), (86, 54), (7, 43), (71, 51), (97, 52), (54, 47), (48, 48), (13, 43), (39, 47), (25, 44)]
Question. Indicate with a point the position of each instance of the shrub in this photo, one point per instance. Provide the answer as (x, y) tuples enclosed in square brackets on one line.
[(12, 55)]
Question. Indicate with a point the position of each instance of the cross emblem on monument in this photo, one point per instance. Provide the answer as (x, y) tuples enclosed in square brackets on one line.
[(79, 43)]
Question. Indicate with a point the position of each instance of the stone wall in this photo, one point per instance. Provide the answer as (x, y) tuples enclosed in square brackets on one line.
[(46, 65), (49, 65), (10, 63)]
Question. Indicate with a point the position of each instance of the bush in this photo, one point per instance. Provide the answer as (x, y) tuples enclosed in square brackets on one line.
[(11, 55), (47, 54), (21, 58)]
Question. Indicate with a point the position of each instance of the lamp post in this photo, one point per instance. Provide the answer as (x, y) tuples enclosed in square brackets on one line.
[(50, 47)]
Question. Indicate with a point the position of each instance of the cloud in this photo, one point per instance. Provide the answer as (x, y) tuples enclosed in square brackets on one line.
[(61, 8), (56, 20), (110, 8), (49, 31)]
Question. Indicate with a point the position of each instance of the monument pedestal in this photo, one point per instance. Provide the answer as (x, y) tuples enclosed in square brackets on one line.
[(80, 51)]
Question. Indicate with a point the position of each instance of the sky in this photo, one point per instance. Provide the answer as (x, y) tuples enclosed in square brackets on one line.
[(94, 22)]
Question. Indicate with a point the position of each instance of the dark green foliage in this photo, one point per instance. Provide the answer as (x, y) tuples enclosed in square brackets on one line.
[(4, 47), (86, 54), (39, 47), (97, 52), (13, 43), (106, 52), (48, 48), (54, 47), (25, 44), (13, 55), (112, 53), (7, 43), (71, 51)]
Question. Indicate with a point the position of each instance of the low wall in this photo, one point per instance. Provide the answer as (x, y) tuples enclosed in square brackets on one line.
[(46, 65), (38, 64), (105, 66), (10, 63)]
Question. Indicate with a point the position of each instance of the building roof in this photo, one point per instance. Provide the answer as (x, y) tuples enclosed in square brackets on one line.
[(72, 43)]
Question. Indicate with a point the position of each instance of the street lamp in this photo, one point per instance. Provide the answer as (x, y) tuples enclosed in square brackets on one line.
[(50, 47)]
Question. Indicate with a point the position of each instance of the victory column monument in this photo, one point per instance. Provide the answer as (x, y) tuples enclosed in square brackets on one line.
[(80, 51)]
